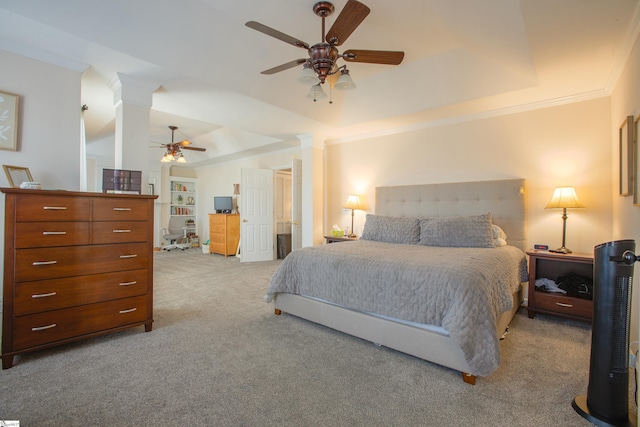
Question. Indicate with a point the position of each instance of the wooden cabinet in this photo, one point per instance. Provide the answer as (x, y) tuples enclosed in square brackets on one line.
[(76, 265), (553, 266), (224, 233)]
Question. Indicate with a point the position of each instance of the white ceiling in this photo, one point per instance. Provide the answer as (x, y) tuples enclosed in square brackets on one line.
[(463, 57)]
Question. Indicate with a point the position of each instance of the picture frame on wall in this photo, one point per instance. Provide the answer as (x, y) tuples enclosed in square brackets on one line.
[(8, 121), (636, 164), (16, 175), (626, 137)]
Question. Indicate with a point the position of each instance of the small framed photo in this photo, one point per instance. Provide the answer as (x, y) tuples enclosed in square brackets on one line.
[(16, 175), (626, 135), (8, 121)]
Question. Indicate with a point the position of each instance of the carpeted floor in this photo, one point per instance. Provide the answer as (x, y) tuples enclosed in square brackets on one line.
[(219, 357)]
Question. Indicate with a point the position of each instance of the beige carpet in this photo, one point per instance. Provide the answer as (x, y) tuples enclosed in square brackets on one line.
[(219, 357)]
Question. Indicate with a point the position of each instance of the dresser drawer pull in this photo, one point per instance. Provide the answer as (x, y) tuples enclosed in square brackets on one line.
[(44, 262), (128, 311), (121, 209), (128, 256), (54, 208), (128, 283), (42, 328), (122, 231), (564, 305), (50, 294), (53, 233)]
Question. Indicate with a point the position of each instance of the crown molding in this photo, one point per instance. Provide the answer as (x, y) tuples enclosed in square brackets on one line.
[(475, 116)]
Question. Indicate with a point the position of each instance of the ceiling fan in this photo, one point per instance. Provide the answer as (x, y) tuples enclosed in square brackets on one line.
[(174, 149), (323, 56)]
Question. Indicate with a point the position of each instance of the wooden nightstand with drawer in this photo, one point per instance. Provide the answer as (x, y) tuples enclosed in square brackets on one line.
[(552, 266)]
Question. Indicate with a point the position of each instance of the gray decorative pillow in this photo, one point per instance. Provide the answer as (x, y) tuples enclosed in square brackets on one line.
[(391, 229), (457, 231)]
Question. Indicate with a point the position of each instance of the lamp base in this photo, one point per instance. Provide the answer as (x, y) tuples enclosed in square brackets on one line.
[(561, 250)]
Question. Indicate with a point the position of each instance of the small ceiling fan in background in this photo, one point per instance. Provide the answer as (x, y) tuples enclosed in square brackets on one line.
[(323, 56), (174, 149)]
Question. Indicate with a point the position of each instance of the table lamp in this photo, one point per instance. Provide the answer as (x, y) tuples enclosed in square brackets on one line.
[(353, 203), (564, 197)]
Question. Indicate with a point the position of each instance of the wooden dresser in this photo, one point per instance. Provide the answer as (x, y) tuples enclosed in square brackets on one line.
[(224, 233), (76, 265)]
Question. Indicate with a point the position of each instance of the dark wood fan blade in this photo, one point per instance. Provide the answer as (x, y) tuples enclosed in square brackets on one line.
[(277, 34), (351, 16), (194, 148), (284, 66), (373, 56)]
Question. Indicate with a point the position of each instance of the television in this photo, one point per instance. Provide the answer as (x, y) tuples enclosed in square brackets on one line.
[(223, 204)]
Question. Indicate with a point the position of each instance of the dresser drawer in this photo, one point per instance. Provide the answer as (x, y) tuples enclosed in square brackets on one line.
[(563, 305), (216, 247), (218, 229), (121, 209), (47, 234), (52, 208), (54, 294), (120, 232), (52, 263), (44, 328)]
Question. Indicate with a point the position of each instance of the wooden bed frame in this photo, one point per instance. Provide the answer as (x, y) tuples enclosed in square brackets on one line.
[(506, 202)]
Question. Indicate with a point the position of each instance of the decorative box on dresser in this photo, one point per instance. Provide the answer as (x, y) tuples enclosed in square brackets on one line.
[(76, 265), (553, 266), (224, 233)]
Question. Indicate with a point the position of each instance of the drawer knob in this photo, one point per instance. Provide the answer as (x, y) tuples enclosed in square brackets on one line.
[(54, 208), (50, 294), (42, 328), (128, 310), (128, 256), (121, 209), (53, 233), (561, 304), (122, 231)]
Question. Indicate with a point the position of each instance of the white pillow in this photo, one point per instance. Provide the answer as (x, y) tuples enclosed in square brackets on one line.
[(499, 236)]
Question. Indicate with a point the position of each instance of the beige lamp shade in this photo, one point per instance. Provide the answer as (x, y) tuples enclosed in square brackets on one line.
[(353, 202), (564, 197)]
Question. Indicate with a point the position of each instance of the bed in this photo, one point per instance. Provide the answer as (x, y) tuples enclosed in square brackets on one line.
[(377, 289)]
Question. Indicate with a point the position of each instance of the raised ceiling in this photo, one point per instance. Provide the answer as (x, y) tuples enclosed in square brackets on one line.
[(462, 58)]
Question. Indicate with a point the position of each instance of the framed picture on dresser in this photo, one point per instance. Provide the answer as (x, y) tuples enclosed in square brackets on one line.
[(16, 175)]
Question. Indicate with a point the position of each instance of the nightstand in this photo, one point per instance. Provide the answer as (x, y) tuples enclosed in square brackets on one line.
[(335, 239), (552, 266)]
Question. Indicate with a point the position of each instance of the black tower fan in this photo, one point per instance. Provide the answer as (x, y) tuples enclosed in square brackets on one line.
[(607, 399)]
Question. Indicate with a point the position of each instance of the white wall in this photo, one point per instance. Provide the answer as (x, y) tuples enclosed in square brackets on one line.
[(49, 128)]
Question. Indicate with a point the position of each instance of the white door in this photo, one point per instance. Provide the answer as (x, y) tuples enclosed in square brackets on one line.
[(296, 204), (256, 215)]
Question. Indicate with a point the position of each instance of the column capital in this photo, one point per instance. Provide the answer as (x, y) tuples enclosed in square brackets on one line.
[(130, 90), (310, 140)]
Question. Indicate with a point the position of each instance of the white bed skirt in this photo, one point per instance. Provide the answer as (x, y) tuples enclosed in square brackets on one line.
[(419, 342)]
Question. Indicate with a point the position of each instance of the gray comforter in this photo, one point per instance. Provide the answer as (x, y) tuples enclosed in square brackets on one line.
[(464, 290)]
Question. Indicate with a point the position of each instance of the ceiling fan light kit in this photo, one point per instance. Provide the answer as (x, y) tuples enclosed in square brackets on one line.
[(174, 149), (323, 56)]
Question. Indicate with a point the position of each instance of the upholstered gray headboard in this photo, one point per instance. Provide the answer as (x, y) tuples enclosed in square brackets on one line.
[(505, 199)]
